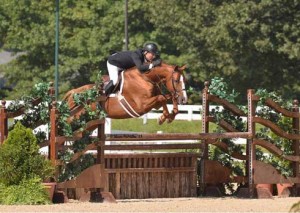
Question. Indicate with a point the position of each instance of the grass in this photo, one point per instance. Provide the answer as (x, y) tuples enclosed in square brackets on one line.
[(177, 126)]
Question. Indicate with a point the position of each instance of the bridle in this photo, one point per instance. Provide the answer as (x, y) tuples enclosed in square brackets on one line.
[(175, 93), (176, 81)]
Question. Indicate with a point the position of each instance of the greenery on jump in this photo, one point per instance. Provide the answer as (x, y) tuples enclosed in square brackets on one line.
[(220, 88), (36, 114)]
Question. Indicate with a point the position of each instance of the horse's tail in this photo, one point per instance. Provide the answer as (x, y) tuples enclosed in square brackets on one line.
[(68, 97)]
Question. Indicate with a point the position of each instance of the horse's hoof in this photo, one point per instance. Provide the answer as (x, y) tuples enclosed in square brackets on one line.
[(170, 120), (160, 121)]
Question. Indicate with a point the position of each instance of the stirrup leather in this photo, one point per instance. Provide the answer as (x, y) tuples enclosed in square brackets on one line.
[(108, 89)]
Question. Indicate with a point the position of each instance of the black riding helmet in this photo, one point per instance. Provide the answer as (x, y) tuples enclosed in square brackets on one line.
[(151, 47)]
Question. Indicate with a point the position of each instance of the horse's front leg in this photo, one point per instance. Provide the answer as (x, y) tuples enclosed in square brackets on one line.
[(174, 112), (165, 114), (157, 102)]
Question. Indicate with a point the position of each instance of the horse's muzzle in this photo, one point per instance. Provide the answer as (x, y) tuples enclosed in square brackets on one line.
[(182, 99)]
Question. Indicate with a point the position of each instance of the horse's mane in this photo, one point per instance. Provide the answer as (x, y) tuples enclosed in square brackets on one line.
[(145, 75)]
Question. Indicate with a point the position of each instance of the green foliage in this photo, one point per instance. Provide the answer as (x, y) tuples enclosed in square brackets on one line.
[(20, 158), (282, 165), (22, 169), (34, 115), (220, 88), (27, 192), (72, 170)]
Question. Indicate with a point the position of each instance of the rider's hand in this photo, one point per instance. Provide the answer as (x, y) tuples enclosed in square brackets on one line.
[(156, 62)]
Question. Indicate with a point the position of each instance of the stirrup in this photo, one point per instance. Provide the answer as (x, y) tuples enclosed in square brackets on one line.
[(108, 89)]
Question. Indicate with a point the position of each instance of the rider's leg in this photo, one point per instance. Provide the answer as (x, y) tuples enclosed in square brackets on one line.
[(109, 88), (113, 72)]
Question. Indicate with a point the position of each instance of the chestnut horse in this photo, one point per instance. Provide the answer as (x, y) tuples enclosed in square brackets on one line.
[(141, 92)]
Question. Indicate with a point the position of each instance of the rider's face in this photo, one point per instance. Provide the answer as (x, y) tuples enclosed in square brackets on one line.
[(149, 56)]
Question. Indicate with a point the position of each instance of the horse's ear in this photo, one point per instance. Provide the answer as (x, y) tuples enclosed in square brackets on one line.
[(182, 68)]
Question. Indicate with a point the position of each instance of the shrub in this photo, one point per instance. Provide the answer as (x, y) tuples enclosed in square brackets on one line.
[(20, 158), (28, 192)]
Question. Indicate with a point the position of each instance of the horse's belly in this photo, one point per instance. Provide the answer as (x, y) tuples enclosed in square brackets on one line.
[(114, 110)]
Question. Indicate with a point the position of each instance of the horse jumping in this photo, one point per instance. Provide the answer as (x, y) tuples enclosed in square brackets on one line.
[(141, 92)]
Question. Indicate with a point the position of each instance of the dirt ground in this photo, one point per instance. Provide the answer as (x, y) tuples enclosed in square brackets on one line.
[(166, 205)]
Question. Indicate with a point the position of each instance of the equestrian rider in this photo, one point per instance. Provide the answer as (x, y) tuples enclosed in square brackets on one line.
[(144, 59)]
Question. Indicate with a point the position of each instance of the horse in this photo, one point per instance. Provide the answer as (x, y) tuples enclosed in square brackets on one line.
[(141, 92)]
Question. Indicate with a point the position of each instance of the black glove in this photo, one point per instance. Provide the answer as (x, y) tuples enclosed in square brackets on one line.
[(156, 62)]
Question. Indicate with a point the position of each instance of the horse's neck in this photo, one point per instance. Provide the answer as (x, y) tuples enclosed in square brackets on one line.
[(135, 77), (157, 75)]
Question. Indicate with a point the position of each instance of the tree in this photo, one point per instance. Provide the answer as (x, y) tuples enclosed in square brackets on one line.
[(252, 44), (88, 31)]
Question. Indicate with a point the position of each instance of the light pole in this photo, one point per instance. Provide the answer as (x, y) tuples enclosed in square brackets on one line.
[(126, 24), (56, 47)]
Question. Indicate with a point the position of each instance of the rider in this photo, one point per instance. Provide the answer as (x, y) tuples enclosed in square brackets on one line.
[(144, 59)]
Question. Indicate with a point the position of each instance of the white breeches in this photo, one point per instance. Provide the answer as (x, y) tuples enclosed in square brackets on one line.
[(113, 72)]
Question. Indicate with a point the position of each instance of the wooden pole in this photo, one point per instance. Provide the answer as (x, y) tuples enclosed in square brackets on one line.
[(250, 149), (205, 130), (53, 134), (296, 144), (3, 122)]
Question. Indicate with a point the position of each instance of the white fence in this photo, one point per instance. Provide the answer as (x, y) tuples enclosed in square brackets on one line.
[(186, 112)]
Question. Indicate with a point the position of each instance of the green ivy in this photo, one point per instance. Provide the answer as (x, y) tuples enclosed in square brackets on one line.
[(33, 115), (71, 170), (220, 88), (285, 123), (39, 114)]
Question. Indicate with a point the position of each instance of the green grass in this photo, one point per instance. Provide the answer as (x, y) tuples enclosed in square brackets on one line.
[(177, 126)]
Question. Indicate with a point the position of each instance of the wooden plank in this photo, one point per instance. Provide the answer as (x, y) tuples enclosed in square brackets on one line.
[(176, 184), (169, 185), (175, 136), (118, 164), (146, 185), (153, 185), (129, 163), (163, 184), (106, 185), (133, 185), (156, 155), (139, 184), (126, 186), (140, 163), (153, 146), (155, 163), (180, 188), (112, 185), (134, 162)]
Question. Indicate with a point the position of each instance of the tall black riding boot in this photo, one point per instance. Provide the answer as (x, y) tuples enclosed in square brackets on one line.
[(109, 88)]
